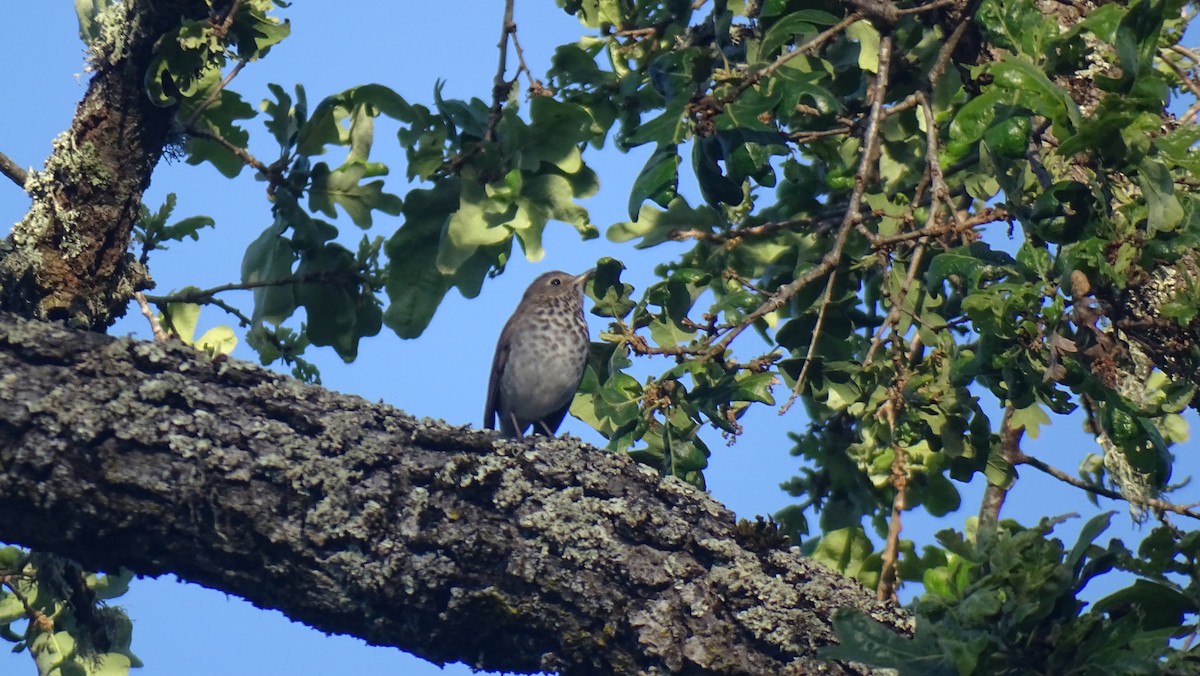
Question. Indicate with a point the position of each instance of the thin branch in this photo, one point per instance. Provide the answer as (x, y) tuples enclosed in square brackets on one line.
[(1188, 53), (921, 9), (500, 86), (891, 552), (809, 136), (1152, 503), (984, 217), (812, 345), (1183, 76), (882, 12), (222, 24), (941, 192), (212, 97), (13, 171), (160, 336), (242, 154), (38, 618), (1010, 449), (536, 88), (815, 43), (894, 314), (852, 216), (202, 296), (943, 57)]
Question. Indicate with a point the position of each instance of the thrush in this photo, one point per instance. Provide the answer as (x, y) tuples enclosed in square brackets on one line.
[(540, 357)]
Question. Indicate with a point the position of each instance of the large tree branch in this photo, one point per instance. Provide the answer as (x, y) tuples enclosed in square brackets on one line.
[(355, 518), (67, 258)]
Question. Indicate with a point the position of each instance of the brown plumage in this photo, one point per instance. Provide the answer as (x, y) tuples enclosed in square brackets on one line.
[(540, 357)]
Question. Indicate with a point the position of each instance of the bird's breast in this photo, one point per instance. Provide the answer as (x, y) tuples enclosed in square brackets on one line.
[(544, 365)]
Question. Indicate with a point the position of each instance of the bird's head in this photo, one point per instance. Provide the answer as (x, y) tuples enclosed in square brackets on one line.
[(557, 284)]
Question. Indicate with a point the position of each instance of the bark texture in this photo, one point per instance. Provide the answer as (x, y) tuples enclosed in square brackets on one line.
[(355, 518), (67, 259)]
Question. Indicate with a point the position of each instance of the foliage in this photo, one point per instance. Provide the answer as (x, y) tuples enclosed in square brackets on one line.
[(1007, 601), (920, 209), (67, 629)]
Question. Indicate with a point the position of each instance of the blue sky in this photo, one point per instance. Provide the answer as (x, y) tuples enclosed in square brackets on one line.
[(184, 630)]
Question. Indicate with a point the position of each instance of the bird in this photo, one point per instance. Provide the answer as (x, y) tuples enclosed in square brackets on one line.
[(540, 357)]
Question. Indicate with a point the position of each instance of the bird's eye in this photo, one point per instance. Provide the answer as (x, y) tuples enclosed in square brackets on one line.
[(556, 281)]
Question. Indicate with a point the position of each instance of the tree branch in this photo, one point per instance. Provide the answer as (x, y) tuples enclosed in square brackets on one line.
[(1153, 503), (13, 171), (356, 518)]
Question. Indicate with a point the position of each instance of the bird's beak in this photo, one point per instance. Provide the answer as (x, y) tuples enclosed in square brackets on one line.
[(580, 280)]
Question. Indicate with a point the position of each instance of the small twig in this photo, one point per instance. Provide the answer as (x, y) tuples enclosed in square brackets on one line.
[(921, 9), (203, 296), (223, 24), (241, 153), (809, 136), (1188, 53), (984, 217), (212, 97), (38, 618), (1191, 113), (941, 192), (500, 86), (536, 88), (815, 43), (160, 336), (943, 57), (1152, 503), (891, 551), (13, 171), (812, 344), (1183, 76), (894, 314), (644, 32)]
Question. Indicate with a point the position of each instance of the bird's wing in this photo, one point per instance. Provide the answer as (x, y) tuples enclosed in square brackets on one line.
[(493, 390)]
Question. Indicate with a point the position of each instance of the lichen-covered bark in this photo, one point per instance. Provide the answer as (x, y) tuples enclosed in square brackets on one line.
[(353, 517), (67, 259)]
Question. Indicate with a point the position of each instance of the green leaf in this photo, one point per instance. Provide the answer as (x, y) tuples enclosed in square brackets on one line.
[(87, 11), (799, 24), (974, 264), (325, 125), (972, 121), (1087, 535), (110, 585), (655, 227), (414, 284), (1158, 187), (609, 293), (1030, 419), (714, 185), (867, 38), (1160, 605), (1028, 86), (342, 187), (182, 319), (658, 180), (270, 258), (845, 550), (217, 340), (868, 641), (254, 32)]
